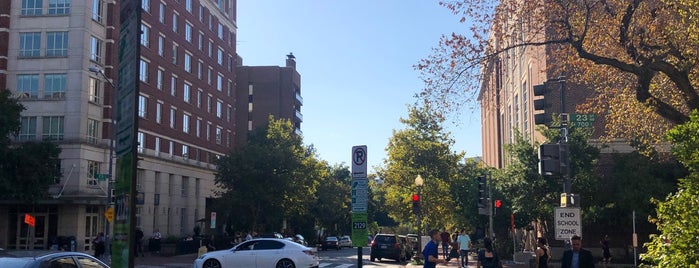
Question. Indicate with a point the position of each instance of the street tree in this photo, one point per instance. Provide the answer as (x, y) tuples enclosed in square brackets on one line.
[(422, 148), (677, 218), (270, 179), (637, 58), (27, 169), (331, 209)]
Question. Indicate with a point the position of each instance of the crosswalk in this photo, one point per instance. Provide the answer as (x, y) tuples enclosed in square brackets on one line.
[(336, 265)]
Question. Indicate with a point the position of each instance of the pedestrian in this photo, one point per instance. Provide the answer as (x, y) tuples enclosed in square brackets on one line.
[(444, 236), (487, 257), (248, 237), (155, 238), (464, 247), (210, 244), (431, 252), (139, 242), (577, 257), (606, 255), (543, 254), (98, 245)]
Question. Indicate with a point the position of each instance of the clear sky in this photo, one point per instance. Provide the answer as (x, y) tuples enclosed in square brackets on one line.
[(356, 62)]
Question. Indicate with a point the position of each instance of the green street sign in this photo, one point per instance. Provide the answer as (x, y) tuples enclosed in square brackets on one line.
[(582, 120), (102, 177), (359, 229)]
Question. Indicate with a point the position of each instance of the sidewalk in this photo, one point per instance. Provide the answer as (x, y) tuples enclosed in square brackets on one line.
[(472, 264)]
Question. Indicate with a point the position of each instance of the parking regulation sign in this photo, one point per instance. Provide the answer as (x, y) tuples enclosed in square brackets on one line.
[(567, 223)]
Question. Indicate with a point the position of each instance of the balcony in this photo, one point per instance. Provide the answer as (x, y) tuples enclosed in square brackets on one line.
[(299, 99), (299, 116)]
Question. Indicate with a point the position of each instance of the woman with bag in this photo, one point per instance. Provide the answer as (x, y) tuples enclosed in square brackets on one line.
[(487, 257)]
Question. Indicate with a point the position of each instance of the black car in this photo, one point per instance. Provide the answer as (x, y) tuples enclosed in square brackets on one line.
[(331, 242), (37, 259), (387, 246)]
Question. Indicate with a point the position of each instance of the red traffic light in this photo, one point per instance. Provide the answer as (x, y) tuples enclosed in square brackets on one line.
[(416, 198), (498, 203)]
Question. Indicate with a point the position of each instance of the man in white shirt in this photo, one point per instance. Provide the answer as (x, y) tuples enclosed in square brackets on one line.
[(465, 245)]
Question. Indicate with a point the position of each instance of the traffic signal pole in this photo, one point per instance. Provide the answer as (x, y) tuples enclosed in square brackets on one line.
[(567, 183)]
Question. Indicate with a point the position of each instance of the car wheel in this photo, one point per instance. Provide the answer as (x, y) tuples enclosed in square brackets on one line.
[(212, 263), (285, 263), (372, 258)]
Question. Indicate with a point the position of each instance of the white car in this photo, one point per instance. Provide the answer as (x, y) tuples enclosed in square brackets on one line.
[(345, 242), (263, 252)]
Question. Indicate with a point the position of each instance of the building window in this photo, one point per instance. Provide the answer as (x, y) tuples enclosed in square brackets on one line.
[(208, 131), (201, 13), (172, 117), (93, 168), (219, 56), (159, 79), (95, 91), (145, 5), (29, 45), (211, 48), (52, 128), (187, 62), (200, 44), (220, 31), (92, 130), (198, 127), (249, 125), (171, 148), (200, 69), (59, 7), (143, 71), (141, 139), (219, 108), (185, 92), (55, 86), (32, 7), (145, 35), (185, 123), (188, 32), (173, 86), (185, 151), (97, 10), (174, 22), (161, 45), (174, 53), (208, 104), (157, 151), (199, 95), (95, 49), (158, 112), (28, 130), (161, 14), (219, 135), (57, 44), (219, 82), (228, 113), (28, 84), (188, 5), (142, 104)]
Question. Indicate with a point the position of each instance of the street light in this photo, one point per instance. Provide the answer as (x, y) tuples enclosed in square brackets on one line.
[(419, 182), (98, 71)]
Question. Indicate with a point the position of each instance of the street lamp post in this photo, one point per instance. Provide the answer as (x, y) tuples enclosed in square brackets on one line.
[(418, 183), (98, 71)]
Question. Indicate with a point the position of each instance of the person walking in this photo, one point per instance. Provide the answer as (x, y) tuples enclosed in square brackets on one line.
[(98, 244), (155, 238), (444, 236), (139, 242), (577, 257), (606, 255), (464, 247), (542, 253), (431, 252), (487, 257)]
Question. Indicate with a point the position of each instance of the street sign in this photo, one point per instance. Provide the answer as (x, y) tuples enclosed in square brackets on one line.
[(567, 223), (359, 229), (213, 220), (109, 214), (102, 177), (29, 219), (360, 189), (582, 120), (359, 161)]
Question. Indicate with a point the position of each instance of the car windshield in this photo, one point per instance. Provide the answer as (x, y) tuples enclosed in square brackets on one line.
[(385, 239), (331, 238)]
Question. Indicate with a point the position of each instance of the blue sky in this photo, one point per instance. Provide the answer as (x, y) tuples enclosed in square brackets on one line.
[(356, 62)]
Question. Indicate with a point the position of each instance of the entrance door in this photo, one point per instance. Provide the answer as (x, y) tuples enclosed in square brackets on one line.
[(32, 237)]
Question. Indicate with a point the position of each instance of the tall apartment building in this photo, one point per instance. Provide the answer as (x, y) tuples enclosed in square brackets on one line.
[(185, 109), (269, 90)]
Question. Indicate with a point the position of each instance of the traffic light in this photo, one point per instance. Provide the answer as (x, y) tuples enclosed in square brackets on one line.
[(416, 203), (482, 195), (540, 105), (498, 203), (554, 159)]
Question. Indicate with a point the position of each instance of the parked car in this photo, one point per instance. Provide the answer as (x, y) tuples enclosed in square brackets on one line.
[(346, 241), (39, 258), (261, 252), (387, 246), (407, 246), (331, 242), (414, 241)]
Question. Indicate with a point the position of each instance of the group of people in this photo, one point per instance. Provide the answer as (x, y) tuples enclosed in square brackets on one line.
[(575, 257), (99, 243)]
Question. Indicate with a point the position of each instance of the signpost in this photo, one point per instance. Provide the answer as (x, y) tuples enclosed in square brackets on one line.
[(582, 120), (567, 223), (360, 189), (213, 220), (102, 177), (109, 214)]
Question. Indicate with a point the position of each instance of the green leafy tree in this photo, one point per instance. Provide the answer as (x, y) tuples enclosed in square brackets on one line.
[(422, 148), (677, 218), (27, 169), (272, 178), (331, 209)]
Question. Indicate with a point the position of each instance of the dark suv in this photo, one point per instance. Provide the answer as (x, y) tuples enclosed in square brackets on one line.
[(387, 246)]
